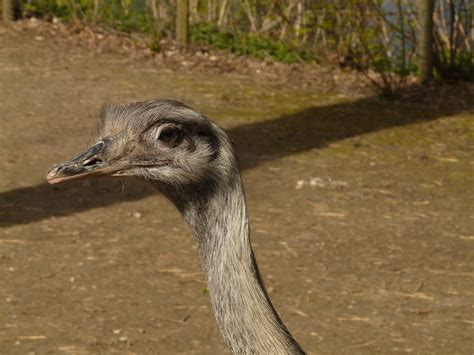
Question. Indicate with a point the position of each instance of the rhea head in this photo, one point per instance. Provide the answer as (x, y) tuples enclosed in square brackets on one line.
[(163, 141)]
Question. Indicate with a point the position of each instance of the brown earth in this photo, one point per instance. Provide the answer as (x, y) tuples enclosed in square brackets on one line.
[(361, 210)]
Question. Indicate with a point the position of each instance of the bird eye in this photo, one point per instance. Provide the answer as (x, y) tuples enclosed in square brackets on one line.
[(169, 135)]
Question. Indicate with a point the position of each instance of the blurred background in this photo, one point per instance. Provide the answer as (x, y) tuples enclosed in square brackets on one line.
[(353, 123), (384, 36)]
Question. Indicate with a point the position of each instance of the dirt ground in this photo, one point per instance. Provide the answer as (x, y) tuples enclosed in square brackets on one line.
[(361, 213)]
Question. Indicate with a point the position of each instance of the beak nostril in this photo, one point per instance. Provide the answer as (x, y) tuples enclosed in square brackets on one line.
[(92, 161)]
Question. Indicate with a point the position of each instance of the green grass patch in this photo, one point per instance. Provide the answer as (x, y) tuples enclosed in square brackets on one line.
[(249, 44)]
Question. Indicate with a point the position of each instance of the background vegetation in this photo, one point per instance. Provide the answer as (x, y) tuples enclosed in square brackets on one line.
[(374, 36)]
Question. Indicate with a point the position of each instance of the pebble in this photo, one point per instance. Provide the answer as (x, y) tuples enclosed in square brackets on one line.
[(137, 215), (299, 184), (317, 182)]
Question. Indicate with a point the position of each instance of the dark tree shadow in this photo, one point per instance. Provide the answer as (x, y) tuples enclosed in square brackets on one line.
[(256, 143), (317, 127)]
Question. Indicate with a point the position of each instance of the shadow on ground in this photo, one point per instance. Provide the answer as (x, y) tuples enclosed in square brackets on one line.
[(256, 143)]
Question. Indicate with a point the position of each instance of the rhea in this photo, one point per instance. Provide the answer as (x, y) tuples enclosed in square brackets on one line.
[(192, 162)]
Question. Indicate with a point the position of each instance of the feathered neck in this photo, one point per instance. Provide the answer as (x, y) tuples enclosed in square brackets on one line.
[(247, 319)]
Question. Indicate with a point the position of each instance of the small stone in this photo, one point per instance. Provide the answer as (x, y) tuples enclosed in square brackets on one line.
[(123, 339), (137, 215), (117, 331), (300, 184), (317, 182), (213, 58)]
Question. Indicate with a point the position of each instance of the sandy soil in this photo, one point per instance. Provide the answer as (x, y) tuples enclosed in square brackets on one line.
[(361, 213)]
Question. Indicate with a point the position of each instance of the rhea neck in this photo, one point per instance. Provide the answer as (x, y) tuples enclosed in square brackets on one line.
[(247, 320)]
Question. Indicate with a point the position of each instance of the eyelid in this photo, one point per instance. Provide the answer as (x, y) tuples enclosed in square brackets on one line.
[(156, 131)]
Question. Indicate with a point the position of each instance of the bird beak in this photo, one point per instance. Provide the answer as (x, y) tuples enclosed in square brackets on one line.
[(86, 164)]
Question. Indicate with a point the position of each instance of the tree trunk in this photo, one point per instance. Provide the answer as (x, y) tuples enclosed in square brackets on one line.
[(8, 14), (211, 10), (182, 11), (299, 18), (401, 20), (154, 14), (193, 12), (248, 10), (96, 10), (222, 21), (425, 10)]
